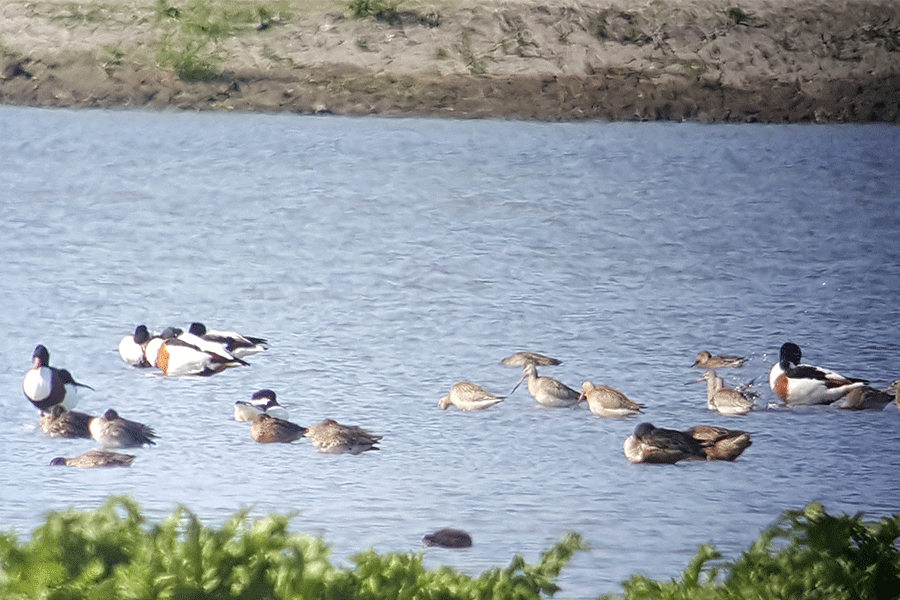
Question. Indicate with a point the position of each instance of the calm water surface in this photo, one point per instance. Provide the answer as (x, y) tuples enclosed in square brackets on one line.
[(386, 260)]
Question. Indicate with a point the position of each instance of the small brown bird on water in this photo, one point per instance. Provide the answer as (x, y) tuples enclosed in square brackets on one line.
[(705, 360)]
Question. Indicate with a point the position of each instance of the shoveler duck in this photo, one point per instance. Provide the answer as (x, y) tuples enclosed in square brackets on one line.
[(466, 395), (448, 538), (706, 360), (267, 429), (520, 359), (46, 386), (112, 431), (238, 345), (865, 398), (650, 444), (330, 437), (263, 401), (175, 356), (606, 401), (547, 391), (797, 384), (60, 422), (724, 400), (94, 459), (719, 443), (131, 348)]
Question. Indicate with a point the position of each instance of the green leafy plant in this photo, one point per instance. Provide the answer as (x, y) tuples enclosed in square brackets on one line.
[(113, 553), (806, 555), (383, 10)]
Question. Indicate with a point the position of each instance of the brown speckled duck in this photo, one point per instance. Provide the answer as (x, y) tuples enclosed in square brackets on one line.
[(865, 398), (719, 443), (330, 437), (60, 422), (649, 444), (705, 360), (112, 431), (267, 429), (95, 458)]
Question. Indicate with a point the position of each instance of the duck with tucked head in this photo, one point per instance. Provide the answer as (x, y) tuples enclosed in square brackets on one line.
[(46, 386), (466, 395), (60, 422), (238, 345), (95, 459), (267, 429), (175, 355), (263, 401), (448, 538), (797, 384), (112, 431), (649, 444), (131, 348), (606, 401), (330, 437), (719, 443), (705, 360)]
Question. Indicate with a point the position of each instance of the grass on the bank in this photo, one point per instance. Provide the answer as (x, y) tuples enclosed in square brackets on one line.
[(192, 31), (113, 554)]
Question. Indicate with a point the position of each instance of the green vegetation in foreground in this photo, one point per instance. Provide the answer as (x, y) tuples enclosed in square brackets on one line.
[(111, 554), (806, 555)]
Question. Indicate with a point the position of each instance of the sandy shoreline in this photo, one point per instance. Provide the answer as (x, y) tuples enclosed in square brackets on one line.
[(705, 60)]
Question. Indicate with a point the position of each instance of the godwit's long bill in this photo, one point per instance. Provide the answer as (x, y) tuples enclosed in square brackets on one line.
[(546, 390)]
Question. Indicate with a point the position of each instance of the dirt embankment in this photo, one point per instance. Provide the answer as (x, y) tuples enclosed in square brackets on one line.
[(707, 60)]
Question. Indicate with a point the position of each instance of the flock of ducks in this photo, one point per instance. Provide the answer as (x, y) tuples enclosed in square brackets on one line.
[(794, 383), (201, 352), (198, 352), (270, 424)]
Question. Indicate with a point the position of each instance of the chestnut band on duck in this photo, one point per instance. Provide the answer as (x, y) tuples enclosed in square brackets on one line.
[(46, 386), (801, 385)]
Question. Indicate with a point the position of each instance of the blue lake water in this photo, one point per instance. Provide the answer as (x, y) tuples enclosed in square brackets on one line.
[(386, 259)]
